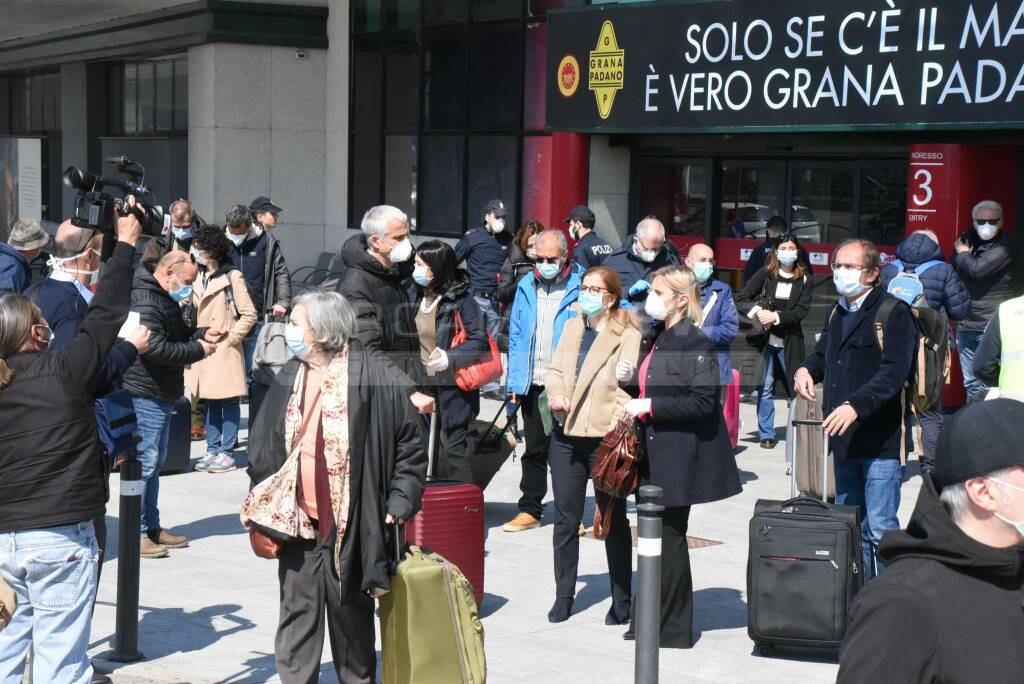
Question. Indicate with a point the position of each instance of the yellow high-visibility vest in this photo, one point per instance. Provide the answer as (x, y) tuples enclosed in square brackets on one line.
[(1011, 337)]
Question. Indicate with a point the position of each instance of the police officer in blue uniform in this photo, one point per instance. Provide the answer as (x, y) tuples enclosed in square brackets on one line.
[(590, 249), (484, 250)]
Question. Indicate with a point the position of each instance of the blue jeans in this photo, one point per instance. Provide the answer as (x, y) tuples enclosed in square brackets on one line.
[(249, 348), (492, 322), (53, 574), (967, 342), (874, 485), (222, 416), (766, 400), (152, 419)]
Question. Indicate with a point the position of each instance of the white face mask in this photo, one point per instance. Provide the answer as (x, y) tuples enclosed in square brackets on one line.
[(644, 255), (497, 225), (401, 251), (987, 229), (655, 306), (847, 281), (57, 264), (201, 259), (1019, 526), (237, 239)]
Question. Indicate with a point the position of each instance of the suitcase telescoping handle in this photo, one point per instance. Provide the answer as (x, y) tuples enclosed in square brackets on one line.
[(824, 454), (432, 446)]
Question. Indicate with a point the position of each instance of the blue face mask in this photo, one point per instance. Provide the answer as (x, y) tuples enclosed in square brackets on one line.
[(294, 337), (183, 233), (420, 275), (787, 257), (181, 293), (548, 271), (847, 281), (591, 304), (702, 271)]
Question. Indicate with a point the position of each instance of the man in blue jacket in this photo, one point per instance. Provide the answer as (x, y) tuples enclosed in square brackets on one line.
[(642, 255), (864, 403), (539, 313), (24, 243), (721, 320), (920, 253)]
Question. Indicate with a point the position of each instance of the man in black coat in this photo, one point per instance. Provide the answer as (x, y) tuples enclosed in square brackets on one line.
[(157, 378), (376, 285), (590, 250), (643, 254), (865, 403), (947, 610)]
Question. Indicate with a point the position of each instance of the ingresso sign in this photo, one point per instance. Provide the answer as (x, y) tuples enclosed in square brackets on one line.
[(746, 65)]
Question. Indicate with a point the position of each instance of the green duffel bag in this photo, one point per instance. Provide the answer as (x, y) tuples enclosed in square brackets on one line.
[(430, 630)]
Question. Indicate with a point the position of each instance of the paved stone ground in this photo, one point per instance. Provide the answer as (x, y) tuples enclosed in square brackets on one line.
[(209, 611)]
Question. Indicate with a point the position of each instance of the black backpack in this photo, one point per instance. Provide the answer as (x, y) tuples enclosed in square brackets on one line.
[(930, 373)]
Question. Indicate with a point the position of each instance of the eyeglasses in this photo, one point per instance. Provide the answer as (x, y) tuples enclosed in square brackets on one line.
[(548, 260), (593, 290)]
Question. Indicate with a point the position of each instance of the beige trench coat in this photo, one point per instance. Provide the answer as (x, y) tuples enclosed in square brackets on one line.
[(222, 374)]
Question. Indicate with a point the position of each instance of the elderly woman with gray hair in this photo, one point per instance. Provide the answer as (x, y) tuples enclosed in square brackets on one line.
[(336, 453)]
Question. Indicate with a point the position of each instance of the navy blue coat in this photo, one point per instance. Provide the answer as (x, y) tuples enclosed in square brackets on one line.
[(15, 274), (721, 324), (591, 250), (458, 407), (685, 439), (853, 369), (942, 286), (484, 255), (631, 269)]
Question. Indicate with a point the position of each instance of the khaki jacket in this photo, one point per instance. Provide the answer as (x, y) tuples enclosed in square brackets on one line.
[(596, 402), (222, 374)]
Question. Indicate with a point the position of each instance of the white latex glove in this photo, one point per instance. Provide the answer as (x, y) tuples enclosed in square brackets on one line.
[(438, 361), (624, 371), (638, 407)]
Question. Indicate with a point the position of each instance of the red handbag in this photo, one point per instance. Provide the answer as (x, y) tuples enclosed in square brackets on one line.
[(475, 376)]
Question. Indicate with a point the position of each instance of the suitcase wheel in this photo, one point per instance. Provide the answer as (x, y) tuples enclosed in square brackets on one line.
[(765, 650)]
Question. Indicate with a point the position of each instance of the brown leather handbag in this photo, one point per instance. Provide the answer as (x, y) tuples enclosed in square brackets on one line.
[(263, 543), (8, 604), (616, 470)]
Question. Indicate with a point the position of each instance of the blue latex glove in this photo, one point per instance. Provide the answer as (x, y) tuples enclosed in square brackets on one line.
[(638, 287)]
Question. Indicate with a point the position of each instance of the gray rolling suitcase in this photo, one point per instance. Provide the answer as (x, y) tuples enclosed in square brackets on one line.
[(806, 450), (803, 567)]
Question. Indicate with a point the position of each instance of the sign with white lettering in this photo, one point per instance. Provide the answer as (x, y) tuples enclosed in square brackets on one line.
[(802, 65)]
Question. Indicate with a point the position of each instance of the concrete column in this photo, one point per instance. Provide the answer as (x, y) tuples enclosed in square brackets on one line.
[(335, 180), (82, 119), (257, 126), (608, 195)]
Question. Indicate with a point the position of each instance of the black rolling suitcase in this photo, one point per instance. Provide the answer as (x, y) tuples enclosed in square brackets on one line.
[(803, 570), (179, 437)]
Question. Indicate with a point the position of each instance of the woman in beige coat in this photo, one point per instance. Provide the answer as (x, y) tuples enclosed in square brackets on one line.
[(223, 303), (594, 354)]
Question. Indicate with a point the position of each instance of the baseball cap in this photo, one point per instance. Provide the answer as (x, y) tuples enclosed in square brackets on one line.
[(496, 206), (978, 440), (581, 213), (263, 203)]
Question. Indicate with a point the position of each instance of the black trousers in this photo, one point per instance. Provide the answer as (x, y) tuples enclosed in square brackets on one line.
[(676, 580), (534, 481), (453, 450), (571, 461), (309, 590)]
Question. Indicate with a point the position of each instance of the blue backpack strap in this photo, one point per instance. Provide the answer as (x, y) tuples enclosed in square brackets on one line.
[(898, 264), (919, 271)]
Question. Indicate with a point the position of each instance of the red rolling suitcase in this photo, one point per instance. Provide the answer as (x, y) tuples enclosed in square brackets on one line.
[(731, 408), (451, 521)]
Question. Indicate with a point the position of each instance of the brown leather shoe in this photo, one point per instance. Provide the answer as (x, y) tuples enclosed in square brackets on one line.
[(147, 549), (523, 521), (169, 540), (198, 433)]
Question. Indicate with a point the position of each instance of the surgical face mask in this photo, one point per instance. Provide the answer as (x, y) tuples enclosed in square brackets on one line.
[(237, 239), (787, 257), (645, 255), (655, 306), (421, 276), (592, 303), (847, 281), (401, 251), (1019, 526), (180, 293), (574, 231), (548, 271), (57, 264), (497, 225), (987, 229), (294, 337), (183, 233), (200, 258), (702, 270)]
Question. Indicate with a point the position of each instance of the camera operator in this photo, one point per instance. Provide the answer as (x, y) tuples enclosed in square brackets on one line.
[(52, 473), (157, 379)]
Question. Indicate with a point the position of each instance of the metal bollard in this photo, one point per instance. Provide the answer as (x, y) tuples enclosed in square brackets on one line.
[(648, 594), (126, 636)]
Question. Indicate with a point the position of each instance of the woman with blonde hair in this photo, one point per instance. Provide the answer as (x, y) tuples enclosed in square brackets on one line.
[(595, 350), (683, 432)]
